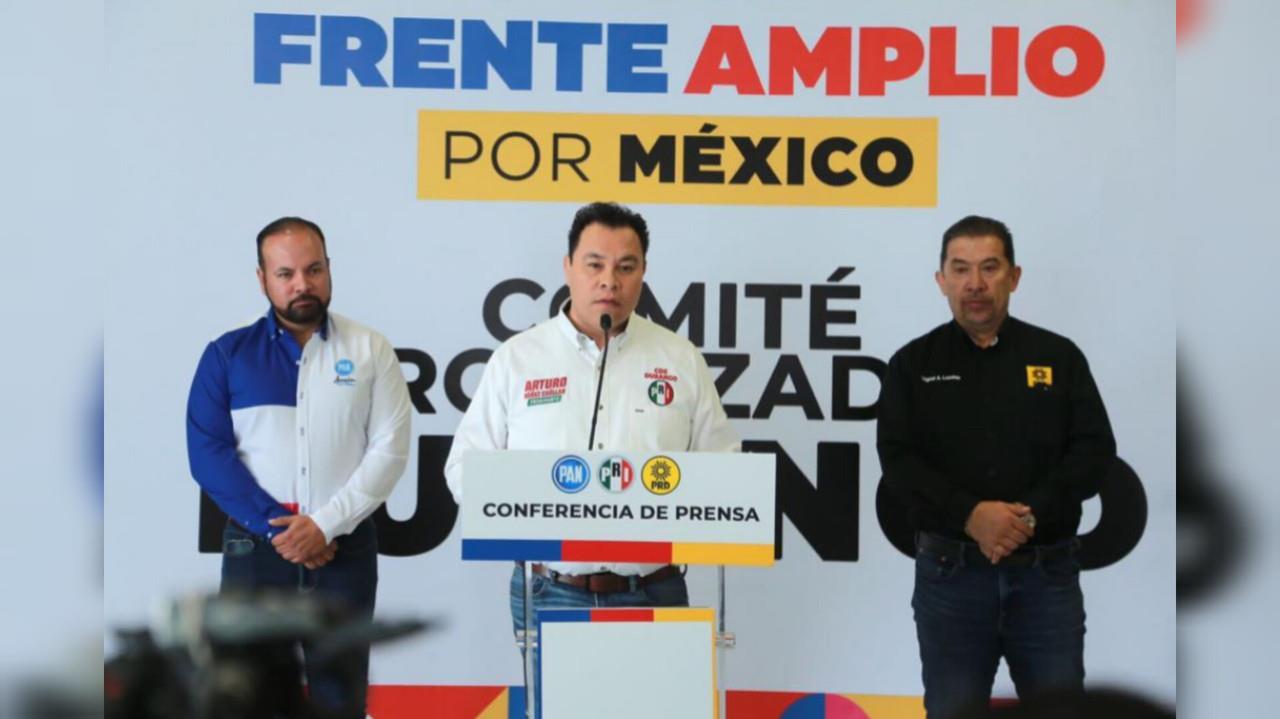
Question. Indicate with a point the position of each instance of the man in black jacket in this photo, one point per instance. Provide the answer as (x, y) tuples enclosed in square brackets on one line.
[(992, 432)]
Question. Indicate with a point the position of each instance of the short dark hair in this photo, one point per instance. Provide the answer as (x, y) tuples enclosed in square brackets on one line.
[(609, 214), (978, 226), (284, 224)]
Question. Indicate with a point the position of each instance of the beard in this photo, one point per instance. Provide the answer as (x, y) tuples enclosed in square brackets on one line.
[(304, 315)]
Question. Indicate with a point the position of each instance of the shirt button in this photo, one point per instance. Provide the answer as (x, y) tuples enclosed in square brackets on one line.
[(304, 471), (302, 431), (991, 473), (599, 445)]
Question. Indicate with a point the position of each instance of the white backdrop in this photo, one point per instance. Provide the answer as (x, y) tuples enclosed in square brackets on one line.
[(205, 156)]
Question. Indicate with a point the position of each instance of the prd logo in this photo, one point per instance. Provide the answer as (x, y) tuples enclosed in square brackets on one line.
[(660, 475), (661, 392), (344, 367), (571, 474), (1039, 376), (616, 474)]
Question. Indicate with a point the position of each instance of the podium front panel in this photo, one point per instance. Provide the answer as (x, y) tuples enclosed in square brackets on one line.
[(627, 663), (647, 507)]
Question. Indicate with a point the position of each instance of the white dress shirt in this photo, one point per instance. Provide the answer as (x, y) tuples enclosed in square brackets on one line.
[(537, 392)]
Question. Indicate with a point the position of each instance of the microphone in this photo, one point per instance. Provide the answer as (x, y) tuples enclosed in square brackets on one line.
[(606, 324)]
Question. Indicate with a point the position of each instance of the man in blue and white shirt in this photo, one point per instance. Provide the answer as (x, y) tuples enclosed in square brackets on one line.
[(298, 429)]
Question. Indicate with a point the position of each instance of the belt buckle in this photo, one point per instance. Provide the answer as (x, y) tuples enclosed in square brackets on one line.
[(614, 583), (594, 582)]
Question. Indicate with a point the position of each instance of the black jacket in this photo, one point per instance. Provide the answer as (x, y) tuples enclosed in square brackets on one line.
[(1019, 421)]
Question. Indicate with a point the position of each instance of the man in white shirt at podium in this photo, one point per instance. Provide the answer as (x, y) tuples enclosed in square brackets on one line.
[(538, 389)]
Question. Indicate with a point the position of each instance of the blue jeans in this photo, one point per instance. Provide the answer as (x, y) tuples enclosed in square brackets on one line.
[(547, 594), (969, 613), (250, 562)]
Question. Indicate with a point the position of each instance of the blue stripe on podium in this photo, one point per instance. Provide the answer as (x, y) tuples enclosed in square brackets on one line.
[(564, 615), (537, 550)]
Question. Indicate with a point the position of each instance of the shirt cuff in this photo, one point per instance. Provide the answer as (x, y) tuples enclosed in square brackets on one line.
[(330, 522), (268, 530), (1044, 501)]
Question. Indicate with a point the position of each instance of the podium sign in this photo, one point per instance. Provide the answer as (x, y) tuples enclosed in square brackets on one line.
[(645, 507), (627, 663)]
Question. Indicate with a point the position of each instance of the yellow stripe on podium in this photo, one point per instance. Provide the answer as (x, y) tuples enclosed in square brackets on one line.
[(759, 555), (684, 614)]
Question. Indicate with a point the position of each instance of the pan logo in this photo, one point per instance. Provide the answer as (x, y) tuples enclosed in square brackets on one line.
[(571, 474), (616, 474), (344, 367)]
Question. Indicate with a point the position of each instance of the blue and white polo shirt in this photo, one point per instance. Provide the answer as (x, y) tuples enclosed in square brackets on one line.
[(322, 430)]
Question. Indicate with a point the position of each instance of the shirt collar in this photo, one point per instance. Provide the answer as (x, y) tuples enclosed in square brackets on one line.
[(275, 330), (1007, 328), (580, 340)]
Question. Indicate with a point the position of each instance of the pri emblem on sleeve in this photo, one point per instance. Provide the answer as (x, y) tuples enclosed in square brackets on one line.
[(1039, 376), (545, 391), (662, 390)]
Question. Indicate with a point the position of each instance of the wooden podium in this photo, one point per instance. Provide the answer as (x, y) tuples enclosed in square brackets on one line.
[(644, 507)]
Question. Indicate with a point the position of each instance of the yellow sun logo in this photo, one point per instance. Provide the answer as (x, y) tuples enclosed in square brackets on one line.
[(661, 475)]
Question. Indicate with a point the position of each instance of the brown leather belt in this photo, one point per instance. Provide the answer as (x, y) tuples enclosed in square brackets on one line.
[(607, 582)]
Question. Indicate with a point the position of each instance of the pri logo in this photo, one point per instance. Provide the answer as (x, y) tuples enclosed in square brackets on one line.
[(571, 474), (661, 392), (661, 475), (616, 474)]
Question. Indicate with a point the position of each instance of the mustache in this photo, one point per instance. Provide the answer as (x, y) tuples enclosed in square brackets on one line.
[(304, 298)]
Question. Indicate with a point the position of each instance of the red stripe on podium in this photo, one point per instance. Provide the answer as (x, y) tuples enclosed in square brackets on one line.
[(388, 701), (641, 552), (622, 615)]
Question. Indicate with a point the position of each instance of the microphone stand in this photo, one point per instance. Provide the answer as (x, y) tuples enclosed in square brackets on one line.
[(531, 692), (606, 324)]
